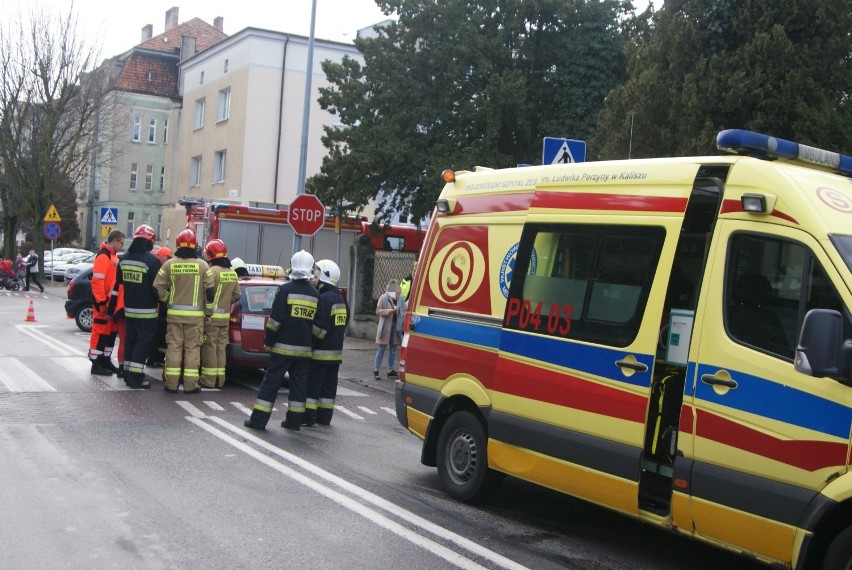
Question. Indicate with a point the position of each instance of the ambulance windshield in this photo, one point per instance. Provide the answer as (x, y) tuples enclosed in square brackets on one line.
[(844, 246)]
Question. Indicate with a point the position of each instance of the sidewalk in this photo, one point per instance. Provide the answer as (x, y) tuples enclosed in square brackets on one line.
[(358, 355)]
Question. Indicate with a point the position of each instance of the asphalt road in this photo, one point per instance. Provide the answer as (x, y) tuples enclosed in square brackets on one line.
[(93, 475)]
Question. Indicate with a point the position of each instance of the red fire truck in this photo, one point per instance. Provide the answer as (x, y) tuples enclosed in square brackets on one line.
[(263, 236)]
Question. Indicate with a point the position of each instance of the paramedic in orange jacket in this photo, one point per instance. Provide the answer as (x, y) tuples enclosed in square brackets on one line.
[(104, 329)]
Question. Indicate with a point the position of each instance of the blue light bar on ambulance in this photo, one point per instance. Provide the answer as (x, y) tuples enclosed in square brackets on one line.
[(744, 142)]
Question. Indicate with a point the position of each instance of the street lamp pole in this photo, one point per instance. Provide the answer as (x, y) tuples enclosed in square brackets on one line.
[(306, 116)]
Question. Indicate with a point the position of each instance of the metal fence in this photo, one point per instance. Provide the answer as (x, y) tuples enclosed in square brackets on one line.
[(379, 268)]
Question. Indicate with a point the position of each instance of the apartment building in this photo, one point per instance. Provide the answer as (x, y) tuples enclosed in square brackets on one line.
[(238, 126), (126, 183)]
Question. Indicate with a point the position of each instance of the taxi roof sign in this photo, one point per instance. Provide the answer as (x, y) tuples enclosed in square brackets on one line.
[(52, 215), (271, 271)]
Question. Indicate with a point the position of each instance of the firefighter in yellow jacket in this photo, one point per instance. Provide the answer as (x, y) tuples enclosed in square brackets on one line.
[(217, 313), (185, 283)]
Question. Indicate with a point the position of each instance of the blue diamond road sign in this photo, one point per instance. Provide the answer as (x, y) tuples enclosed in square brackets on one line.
[(562, 151)]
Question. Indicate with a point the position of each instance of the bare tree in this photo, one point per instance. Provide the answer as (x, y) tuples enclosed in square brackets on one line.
[(50, 100)]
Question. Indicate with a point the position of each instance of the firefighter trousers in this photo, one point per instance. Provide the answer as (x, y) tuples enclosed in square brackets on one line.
[(138, 338), (297, 369), (213, 355), (103, 336), (183, 354), (322, 390)]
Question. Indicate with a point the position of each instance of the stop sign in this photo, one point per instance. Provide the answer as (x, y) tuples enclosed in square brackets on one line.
[(306, 214)]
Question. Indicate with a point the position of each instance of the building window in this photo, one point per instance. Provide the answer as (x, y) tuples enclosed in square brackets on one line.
[(219, 166), (199, 114), (149, 178), (130, 220), (137, 128), (224, 110), (226, 66), (195, 171), (134, 169), (162, 179), (165, 131), (159, 224), (202, 78), (152, 131)]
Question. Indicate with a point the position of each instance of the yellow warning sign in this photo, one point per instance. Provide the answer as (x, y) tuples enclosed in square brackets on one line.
[(105, 230), (52, 215)]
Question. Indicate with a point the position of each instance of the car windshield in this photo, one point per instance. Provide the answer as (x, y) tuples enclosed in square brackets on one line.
[(259, 298), (844, 246)]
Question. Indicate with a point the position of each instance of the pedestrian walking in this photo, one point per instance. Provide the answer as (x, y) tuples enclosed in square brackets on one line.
[(288, 339), (217, 314), (390, 308), (32, 271), (137, 270), (186, 284), (327, 348), (157, 355), (104, 329)]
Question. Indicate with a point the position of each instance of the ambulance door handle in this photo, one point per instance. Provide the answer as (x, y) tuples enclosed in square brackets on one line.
[(714, 380), (632, 365)]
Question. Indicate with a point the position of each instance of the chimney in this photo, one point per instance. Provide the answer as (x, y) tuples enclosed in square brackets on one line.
[(171, 18), (147, 32), (217, 23), (187, 47)]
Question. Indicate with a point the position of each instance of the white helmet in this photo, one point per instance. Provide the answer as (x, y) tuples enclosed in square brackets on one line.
[(302, 265), (329, 272)]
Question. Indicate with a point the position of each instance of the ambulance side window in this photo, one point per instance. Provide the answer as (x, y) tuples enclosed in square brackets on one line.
[(584, 282), (770, 284)]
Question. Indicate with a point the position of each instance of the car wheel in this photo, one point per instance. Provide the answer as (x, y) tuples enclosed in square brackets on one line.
[(83, 318), (463, 459), (839, 554)]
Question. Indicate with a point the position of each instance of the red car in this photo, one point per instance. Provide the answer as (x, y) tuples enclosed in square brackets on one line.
[(248, 319)]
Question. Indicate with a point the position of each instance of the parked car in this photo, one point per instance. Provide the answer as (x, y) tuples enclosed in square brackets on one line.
[(75, 270), (58, 259), (78, 305), (248, 321), (61, 267)]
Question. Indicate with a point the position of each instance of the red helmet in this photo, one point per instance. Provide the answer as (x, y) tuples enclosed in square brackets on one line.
[(186, 238), (145, 231), (216, 249)]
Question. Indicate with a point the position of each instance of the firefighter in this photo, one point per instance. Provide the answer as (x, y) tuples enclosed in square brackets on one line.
[(157, 356), (185, 282), (135, 277), (104, 329), (217, 314), (288, 339), (327, 350)]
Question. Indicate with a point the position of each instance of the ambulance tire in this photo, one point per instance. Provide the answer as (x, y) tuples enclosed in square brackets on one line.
[(839, 553), (463, 460)]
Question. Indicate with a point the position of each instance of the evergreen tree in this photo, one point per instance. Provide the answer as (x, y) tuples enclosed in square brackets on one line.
[(782, 68), (455, 84)]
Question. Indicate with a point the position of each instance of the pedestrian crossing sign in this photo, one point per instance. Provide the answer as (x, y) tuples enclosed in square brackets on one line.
[(109, 216), (562, 151)]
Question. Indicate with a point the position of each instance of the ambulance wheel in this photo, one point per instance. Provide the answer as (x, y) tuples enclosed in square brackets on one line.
[(463, 459), (839, 553), (83, 318)]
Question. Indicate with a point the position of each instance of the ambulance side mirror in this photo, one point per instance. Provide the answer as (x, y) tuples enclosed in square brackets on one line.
[(821, 351)]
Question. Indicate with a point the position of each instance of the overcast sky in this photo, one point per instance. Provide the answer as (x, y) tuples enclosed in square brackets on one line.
[(119, 23)]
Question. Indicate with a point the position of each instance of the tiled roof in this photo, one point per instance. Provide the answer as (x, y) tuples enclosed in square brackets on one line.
[(150, 74), (141, 71), (169, 41)]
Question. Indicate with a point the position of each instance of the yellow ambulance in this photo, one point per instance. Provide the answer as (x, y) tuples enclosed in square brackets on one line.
[(669, 338)]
